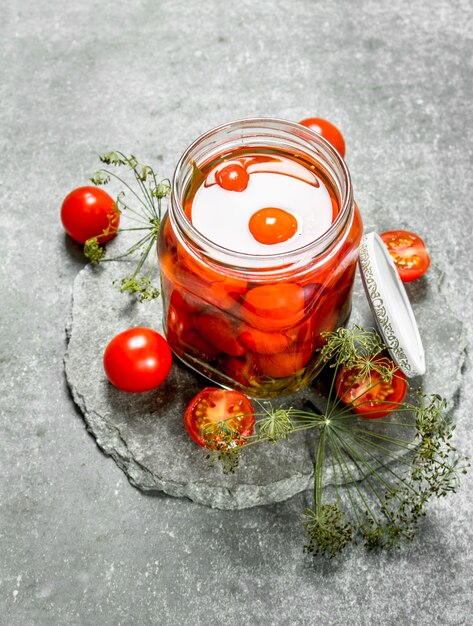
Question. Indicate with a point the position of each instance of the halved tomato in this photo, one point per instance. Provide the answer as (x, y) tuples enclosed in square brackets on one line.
[(371, 396), (219, 419), (409, 253)]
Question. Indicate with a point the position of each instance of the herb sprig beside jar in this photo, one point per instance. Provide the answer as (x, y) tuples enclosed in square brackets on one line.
[(141, 200)]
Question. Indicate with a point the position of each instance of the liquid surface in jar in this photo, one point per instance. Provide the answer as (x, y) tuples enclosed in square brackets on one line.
[(261, 202)]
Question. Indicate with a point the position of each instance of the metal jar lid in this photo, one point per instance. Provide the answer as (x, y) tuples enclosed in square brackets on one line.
[(390, 305)]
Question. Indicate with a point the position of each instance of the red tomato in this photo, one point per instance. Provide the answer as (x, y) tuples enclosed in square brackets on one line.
[(261, 341), (233, 177), (88, 212), (211, 406), (328, 132), (409, 253), (217, 330), (371, 397), (138, 359), (272, 225), (214, 287), (273, 307), (180, 331), (286, 363), (240, 369)]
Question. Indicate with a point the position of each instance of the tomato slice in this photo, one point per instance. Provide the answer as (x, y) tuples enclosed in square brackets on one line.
[(371, 397), (210, 407), (328, 132), (409, 253)]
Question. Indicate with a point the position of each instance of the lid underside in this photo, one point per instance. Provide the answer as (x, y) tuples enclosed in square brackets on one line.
[(390, 306)]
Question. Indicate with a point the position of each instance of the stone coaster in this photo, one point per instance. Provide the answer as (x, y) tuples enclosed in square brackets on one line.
[(145, 434)]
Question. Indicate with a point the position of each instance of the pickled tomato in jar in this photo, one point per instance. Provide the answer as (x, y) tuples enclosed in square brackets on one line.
[(258, 254)]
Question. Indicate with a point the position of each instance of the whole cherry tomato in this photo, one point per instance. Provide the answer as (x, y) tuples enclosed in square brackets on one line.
[(88, 212), (218, 330), (210, 407), (233, 177), (328, 132), (371, 396), (409, 253), (273, 307), (261, 341), (138, 359), (284, 364)]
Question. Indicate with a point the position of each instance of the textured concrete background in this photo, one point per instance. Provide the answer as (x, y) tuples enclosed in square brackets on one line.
[(78, 544)]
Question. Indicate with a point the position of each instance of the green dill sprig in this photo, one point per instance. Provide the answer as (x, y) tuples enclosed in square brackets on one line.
[(390, 468), (276, 424), (145, 209)]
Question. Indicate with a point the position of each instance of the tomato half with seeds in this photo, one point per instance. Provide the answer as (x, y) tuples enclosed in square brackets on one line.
[(409, 253), (371, 396), (219, 419), (328, 132)]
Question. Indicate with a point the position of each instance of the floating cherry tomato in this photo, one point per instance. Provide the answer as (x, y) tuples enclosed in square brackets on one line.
[(233, 177), (138, 359), (328, 131), (88, 212), (409, 253), (272, 225), (211, 406), (371, 396)]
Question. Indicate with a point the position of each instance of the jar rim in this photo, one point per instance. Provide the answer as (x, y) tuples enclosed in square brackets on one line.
[(307, 136)]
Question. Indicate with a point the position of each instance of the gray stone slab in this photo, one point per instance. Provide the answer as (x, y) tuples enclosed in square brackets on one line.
[(145, 433)]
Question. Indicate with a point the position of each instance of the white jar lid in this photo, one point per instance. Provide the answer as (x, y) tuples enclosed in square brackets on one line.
[(390, 306)]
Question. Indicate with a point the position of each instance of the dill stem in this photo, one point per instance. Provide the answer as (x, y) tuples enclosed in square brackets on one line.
[(318, 471), (131, 250), (352, 453), (144, 256), (110, 173), (373, 471), (334, 449)]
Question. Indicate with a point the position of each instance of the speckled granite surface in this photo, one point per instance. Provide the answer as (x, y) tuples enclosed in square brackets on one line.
[(78, 544)]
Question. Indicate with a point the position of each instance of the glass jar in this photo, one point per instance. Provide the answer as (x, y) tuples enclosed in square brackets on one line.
[(254, 322)]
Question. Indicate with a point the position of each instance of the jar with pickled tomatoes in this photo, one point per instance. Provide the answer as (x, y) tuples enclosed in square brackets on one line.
[(258, 254)]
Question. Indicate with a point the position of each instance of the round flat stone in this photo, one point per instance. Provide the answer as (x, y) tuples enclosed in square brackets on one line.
[(144, 433)]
